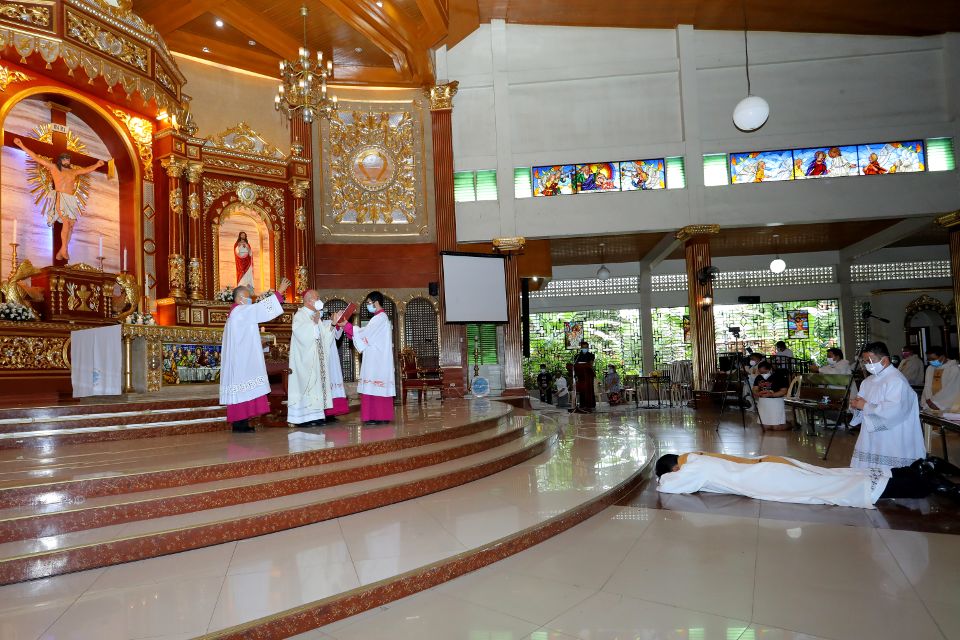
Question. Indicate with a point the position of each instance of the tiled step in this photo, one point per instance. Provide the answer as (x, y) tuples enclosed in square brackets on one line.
[(66, 435), (36, 558), (23, 523), (79, 409), (86, 471), (109, 419)]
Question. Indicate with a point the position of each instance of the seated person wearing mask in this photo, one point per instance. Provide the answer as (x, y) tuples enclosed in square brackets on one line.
[(941, 388), (612, 386), (911, 366), (769, 389), (782, 479), (750, 374), (563, 392), (836, 365)]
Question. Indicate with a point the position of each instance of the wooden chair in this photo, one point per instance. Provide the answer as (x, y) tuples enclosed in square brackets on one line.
[(415, 378), (825, 395)]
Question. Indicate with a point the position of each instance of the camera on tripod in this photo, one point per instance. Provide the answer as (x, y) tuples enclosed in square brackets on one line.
[(735, 331)]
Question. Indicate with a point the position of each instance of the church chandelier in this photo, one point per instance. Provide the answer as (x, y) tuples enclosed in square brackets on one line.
[(303, 84)]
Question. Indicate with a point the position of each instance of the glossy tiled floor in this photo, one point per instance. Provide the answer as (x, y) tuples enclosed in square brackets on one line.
[(683, 568)]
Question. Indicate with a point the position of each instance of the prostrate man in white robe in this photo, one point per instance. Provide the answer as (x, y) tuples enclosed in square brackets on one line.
[(911, 366), (780, 479), (375, 343), (243, 371), (335, 372), (309, 395), (887, 411), (941, 388)]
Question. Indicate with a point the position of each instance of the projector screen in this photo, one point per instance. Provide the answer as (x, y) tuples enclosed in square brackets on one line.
[(474, 288)]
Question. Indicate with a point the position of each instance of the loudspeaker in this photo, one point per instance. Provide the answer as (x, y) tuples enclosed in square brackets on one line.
[(748, 299), (434, 289)]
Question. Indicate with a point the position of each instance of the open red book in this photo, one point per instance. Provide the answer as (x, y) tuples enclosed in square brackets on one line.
[(346, 314)]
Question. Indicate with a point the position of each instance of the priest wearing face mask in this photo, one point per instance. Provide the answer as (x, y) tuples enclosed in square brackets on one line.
[(887, 412), (835, 364), (911, 366), (375, 343), (941, 388), (584, 378), (309, 394), (243, 371)]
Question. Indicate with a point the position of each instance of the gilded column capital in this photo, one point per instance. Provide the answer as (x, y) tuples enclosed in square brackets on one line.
[(299, 187), (194, 172), (505, 245), (949, 220), (174, 166), (693, 230), (441, 96)]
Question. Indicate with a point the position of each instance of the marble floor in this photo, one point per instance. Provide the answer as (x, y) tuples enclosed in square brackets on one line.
[(677, 567)]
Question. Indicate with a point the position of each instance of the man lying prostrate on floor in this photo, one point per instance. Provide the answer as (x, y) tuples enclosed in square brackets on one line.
[(786, 480)]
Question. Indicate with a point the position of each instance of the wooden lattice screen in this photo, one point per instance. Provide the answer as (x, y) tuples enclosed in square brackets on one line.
[(420, 332), (344, 348)]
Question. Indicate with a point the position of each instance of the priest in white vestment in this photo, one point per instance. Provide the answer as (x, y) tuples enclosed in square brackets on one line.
[(243, 371), (335, 372), (780, 479), (309, 394), (376, 387), (887, 411), (941, 387), (835, 364), (911, 366)]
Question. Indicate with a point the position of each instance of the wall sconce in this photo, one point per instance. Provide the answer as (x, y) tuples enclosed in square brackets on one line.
[(706, 302)]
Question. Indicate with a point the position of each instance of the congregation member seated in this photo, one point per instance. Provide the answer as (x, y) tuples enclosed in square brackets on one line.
[(780, 479), (612, 386), (783, 350), (835, 364), (563, 392), (911, 366), (941, 387), (769, 389), (750, 373), (545, 385)]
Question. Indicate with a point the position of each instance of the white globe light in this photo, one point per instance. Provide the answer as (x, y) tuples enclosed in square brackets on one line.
[(751, 113), (603, 273), (778, 265)]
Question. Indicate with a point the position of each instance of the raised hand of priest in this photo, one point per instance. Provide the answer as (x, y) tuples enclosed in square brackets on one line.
[(284, 285)]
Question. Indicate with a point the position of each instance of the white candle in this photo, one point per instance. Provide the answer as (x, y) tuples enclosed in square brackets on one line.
[(146, 289), (124, 259), (100, 255)]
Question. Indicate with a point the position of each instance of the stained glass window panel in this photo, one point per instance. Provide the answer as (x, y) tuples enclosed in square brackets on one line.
[(891, 157), (553, 180), (597, 177), (825, 162), (761, 166), (644, 175)]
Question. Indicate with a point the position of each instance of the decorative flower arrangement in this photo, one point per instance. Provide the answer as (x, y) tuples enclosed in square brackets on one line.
[(14, 312), (224, 295), (141, 318)]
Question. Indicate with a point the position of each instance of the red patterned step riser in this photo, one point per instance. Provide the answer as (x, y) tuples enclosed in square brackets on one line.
[(113, 436), (90, 423)]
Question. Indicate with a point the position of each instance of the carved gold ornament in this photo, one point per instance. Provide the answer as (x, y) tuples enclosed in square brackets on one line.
[(176, 201), (193, 204), (42, 182), (8, 77), (194, 172), (33, 15), (299, 187), (516, 243), (27, 352), (131, 294), (177, 268), (141, 130), (372, 168), (246, 192), (693, 230), (243, 139), (949, 220), (303, 279), (441, 96), (11, 288), (88, 32), (174, 166), (300, 218), (195, 276)]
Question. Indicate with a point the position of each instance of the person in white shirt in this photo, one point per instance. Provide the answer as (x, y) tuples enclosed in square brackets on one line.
[(886, 410), (911, 366), (941, 388), (783, 350), (563, 392), (835, 364)]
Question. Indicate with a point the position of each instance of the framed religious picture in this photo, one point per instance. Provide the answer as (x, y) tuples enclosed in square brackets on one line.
[(686, 329), (798, 324), (572, 334)]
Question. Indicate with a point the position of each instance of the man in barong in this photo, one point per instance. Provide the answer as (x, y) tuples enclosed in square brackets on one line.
[(941, 387), (243, 371), (780, 479), (377, 385), (911, 366), (887, 412), (309, 394)]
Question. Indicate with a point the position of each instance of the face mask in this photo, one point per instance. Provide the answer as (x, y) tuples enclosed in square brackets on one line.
[(831, 360), (765, 376), (246, 300), (584, 350), (874, 367), (936, 363), (371, 308)]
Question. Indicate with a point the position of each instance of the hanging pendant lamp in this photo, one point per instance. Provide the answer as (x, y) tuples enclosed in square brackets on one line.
[(752, 112)]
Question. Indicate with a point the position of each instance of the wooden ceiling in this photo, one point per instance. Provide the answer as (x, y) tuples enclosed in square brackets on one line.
[(868, 17), (799, 238), (369, 43)]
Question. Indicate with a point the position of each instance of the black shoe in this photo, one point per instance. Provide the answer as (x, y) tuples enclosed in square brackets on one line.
[(943, 467), (318, 423), (369, 423), (242, 426), (332, 419)]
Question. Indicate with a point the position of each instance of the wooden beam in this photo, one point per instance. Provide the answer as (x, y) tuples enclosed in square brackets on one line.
[(390, 19), (464, 20), (166, 19), (254, 24), (227, 54), (360, 21), (436, 20)]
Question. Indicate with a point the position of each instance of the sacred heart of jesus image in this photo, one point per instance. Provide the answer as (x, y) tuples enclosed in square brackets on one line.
[(373, 168)]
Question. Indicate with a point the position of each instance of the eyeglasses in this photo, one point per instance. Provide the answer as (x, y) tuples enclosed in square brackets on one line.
[(866, 360)]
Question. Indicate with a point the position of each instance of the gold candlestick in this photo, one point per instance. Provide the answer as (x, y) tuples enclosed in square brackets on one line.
[(13, 258), (101, 259)]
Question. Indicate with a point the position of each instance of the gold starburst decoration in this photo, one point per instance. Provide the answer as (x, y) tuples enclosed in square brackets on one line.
[(41, 180)]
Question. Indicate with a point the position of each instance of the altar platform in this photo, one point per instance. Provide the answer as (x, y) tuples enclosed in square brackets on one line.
[(357, 516)]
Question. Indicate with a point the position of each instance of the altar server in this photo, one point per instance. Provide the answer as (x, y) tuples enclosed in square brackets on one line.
[(243, 371), (780, 479), (375, 343), (309, 394), (335, 372), (911, 366), (941, 387), (887, 412)]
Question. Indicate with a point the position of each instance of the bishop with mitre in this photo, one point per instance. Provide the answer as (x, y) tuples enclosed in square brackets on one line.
[(309, 392)]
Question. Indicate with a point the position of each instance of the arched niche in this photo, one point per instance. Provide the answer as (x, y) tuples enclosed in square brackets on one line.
[(928, 321), (255, 222), (421, 331)]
